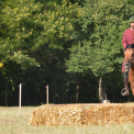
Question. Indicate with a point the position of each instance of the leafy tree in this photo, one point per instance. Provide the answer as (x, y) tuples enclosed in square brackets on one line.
[(37, 39), (17, 31), (104, 23), (28, 25)]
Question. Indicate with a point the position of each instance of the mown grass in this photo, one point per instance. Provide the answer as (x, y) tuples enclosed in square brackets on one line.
[(13, 122)]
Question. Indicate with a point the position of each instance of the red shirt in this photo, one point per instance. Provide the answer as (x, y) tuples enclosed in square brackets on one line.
[(128, 39)]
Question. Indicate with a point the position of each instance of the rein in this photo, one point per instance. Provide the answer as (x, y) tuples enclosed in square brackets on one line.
[(131, 63)]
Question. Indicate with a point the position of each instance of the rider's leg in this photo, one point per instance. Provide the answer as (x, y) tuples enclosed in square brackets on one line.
[(125, 91), (126, 82)]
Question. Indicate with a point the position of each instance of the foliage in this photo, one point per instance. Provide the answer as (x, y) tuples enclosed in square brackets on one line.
[(17, 30), (103, 48), (1, 65), (60, 43), (99, 49)]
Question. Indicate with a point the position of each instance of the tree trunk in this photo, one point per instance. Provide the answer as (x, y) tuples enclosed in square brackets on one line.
[(54, 96), (102, 91), (113, 93), (6, 94), (77, 91)]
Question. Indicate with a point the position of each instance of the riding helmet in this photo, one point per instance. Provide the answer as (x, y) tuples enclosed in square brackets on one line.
[(131, 19)]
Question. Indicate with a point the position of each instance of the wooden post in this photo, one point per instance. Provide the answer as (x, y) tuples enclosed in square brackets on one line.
[(77, 91), (47, 94), (6, 94), (20, 87)]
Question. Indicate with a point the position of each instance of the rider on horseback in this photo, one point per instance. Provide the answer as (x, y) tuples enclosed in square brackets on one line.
[(128, 42)]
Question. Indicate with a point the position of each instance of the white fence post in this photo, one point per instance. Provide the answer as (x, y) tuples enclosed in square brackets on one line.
[(47, 94), (20, 87)]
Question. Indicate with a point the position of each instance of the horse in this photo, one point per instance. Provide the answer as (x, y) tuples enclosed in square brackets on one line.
[(129, 62)]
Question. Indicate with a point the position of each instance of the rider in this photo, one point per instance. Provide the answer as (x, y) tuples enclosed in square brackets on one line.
[(128, 42)]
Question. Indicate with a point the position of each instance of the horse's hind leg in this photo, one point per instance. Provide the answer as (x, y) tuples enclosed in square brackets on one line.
[(132, 87), (129, 98)]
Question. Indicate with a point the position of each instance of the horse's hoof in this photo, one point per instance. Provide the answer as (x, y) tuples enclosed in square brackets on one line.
[(125, 92)]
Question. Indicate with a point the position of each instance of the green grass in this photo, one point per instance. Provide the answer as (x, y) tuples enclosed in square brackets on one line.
[(13, 122)]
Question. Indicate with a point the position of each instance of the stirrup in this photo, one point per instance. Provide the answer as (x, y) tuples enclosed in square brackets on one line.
[(125, 92)]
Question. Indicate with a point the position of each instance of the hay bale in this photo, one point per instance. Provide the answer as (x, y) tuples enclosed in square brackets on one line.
[(50, 115), (110, 114)]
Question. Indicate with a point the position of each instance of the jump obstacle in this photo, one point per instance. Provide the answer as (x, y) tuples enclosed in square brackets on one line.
[(83, 114)]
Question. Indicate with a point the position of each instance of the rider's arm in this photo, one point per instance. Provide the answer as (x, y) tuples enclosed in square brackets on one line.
[(124, 42)]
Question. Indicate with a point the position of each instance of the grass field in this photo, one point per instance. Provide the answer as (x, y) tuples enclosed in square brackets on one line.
[(13, 122)]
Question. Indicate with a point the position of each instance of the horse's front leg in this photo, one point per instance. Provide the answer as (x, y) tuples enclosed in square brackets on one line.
[(132, 85), (132, 88)]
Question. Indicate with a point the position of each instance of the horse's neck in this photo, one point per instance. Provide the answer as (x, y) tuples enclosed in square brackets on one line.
[(132, 69)]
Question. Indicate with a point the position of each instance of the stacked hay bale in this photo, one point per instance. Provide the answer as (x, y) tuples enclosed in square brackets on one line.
[(83, 114), (53, 115)]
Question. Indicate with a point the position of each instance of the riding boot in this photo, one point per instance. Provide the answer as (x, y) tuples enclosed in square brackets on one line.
[(125, 91), (126, 83)]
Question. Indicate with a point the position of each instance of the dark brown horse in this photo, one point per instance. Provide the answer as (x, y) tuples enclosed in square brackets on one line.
[(129, 62)]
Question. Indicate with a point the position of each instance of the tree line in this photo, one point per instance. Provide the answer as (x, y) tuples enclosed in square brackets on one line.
[(74, 46)]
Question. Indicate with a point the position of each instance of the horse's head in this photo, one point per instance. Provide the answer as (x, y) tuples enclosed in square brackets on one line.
[(128, 57)]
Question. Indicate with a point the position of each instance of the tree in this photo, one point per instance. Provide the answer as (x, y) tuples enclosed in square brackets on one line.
[(104, 24), (17, 30), (28, 25)]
